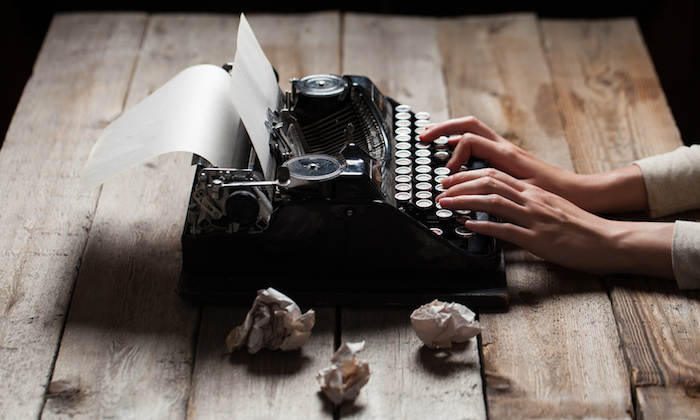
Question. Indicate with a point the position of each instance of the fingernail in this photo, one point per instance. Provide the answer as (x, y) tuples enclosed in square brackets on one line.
[(444, 201)]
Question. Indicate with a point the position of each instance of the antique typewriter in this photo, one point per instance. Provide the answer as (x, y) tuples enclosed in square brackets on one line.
[(349, 216)]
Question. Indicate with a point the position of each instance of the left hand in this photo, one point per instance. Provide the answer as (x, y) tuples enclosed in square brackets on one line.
[(550, 226)]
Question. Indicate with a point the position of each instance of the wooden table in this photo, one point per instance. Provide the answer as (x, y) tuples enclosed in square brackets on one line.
[(90, 325)]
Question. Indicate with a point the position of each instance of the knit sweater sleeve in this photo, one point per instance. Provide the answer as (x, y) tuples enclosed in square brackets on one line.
[(672, 181)]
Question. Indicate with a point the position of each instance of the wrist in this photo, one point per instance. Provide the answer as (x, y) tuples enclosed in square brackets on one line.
[(641, 248), (616, 191)]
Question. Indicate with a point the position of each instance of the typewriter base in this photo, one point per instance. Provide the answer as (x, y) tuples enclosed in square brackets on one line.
[(224, 290)]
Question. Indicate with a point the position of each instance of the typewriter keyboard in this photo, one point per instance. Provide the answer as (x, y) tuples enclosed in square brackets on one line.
[(419, 169)]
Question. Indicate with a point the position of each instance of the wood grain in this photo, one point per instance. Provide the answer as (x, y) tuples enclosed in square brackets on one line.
[(496, 71), (610, 99), (265, 385), (555, 353), (616, 112), (401, 55), (78, 85), (90, 325), (661, 403), (127, 349)]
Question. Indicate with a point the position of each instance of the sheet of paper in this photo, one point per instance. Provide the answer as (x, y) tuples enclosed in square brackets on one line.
[(192, 112), (254, 89)]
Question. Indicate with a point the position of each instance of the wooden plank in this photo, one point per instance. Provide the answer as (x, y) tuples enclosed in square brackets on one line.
[(401, 55), (615, 112), (660, 330), (78, 85), (268, 384), (660, 403), (409, 380), (271, 384), (128, 345), (495, 71), (610, 98), (555, 353)]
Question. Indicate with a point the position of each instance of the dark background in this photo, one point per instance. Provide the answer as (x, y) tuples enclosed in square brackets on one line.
[(669, 28)]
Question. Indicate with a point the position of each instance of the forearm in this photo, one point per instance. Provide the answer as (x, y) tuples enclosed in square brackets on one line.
[(617, 191), (640, 248)]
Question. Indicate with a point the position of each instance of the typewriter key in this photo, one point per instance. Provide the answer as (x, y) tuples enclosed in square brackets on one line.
[(402, 179), (464, 212), (403, 123), (440, 187), (462, 219), (424, 195), (444, 213), (403, 130), (403, 187), (404, 145), (424, 204), (442, 171), (421, 123), (424, 186), (423, 161), (423, 178), (402, 108), (402, 197), (422, 153), (402, 137), (439, 178), (403, 161), (421, 145), (436, 230), (403, 170), (419, 130), (463, 232), (441, 141), (423, 169), (403, 116), (402, 154), (442, 155), (422, 115)]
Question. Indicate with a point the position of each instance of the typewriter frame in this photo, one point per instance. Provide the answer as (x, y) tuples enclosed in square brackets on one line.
[(338, 239)]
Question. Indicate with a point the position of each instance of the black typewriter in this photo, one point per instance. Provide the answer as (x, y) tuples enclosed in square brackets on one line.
[(349, 216)]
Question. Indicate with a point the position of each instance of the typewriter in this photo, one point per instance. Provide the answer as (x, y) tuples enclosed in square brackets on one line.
[(349, 215)]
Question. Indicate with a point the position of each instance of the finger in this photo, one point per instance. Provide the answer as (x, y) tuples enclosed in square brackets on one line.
[(500, 184), (489, 173), (509, 232), (499, 154), (493, 204), (458, 126)]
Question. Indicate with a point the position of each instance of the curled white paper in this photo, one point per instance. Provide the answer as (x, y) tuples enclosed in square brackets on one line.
[(439, 324), (273, 322), (343, 380), (192, 112)]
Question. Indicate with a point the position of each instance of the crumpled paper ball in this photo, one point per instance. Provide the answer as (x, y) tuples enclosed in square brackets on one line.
[(274, 322), (439, 324), (343, 380)]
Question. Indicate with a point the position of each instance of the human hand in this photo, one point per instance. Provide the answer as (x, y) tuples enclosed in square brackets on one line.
[(555, 229), (614, 191), (471, 137)]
